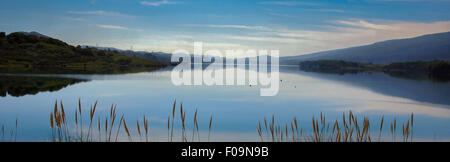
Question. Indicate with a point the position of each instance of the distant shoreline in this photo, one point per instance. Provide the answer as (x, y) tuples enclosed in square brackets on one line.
[(434, 70)]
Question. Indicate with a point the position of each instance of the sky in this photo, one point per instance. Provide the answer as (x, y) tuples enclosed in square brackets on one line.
[(292, 27)]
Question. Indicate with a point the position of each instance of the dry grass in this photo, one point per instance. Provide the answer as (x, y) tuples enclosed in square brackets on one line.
[(349, 129), (210, 127), (184, 125), (12, 135), (62, 130)]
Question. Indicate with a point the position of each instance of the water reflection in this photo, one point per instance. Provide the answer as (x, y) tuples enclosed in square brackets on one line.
[(236, 109), (421, 90), (27, 85)]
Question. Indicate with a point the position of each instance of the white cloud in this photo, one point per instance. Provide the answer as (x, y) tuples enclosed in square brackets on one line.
[(100, 13), (281, 15), (228, 26), (339, 34), (111, 27), (365, 24), (289, 3), (117, 27), (263, 39), (156, 3), (329, 10), (349, 33), (75, 19), (290, 41)]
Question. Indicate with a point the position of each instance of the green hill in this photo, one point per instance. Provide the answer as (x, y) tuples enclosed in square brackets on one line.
[(25, 52)]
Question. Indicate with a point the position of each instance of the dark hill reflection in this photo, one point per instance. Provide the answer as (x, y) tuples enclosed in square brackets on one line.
[(30, 85), (415, 88)]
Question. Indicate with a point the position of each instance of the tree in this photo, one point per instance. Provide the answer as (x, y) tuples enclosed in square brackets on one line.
[(2, 37)]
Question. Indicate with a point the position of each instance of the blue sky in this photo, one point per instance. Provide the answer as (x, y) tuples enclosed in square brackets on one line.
[(293, 27)]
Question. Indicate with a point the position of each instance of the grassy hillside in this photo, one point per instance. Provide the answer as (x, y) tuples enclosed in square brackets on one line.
[(423, 48), (28, 52)]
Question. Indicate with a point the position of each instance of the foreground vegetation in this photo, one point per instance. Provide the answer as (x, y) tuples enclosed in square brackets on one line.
[(111, 127), (25, 53), (349, 129)]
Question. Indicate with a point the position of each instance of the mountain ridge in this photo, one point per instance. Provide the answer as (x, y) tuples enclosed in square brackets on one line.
[(422, 48), (153, 56)]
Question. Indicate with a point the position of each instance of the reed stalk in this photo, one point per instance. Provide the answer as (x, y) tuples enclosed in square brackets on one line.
[(210, 127)]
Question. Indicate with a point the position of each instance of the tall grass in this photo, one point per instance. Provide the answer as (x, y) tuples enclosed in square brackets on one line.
[(183, 125), (348, 129), (12, 135), (62, 130), (210, 127)]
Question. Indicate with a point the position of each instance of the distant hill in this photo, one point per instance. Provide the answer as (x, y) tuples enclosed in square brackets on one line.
[(153, 56), (423, 48), (35, 34), (22, 51)]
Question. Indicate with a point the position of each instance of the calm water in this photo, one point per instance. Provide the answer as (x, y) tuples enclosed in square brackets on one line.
[(235, 109)]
